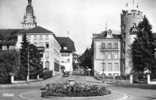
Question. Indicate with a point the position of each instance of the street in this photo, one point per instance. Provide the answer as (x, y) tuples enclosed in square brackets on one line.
[(32, 92)]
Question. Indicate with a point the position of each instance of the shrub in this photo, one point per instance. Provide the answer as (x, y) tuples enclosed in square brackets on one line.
[(74, 90)]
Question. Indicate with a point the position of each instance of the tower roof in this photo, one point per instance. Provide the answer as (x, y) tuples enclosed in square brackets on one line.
[(29, 18), (29, 2)]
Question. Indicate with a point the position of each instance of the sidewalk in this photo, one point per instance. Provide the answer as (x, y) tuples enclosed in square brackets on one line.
[(55, 79), (31, 84), (35, 95)]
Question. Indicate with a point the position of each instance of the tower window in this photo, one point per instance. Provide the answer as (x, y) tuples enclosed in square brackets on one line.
[(47, 45)]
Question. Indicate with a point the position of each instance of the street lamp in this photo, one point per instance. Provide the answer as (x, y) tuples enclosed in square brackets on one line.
[(103, 71), (28, 69)]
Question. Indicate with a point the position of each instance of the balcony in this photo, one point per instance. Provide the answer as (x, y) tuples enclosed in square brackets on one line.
[(109, 49)]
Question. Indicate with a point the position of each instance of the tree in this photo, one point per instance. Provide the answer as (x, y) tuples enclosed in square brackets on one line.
[(34, 61), (8, 65), (143, 48), (86, 59), (23, 58), (29, 55)]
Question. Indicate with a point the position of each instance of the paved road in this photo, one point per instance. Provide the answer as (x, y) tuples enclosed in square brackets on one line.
[(131, 93), (137, 93)]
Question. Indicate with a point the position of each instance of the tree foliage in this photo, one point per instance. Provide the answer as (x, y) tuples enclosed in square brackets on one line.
[(86, 59), (143, 48), (29, 54), (8, 65)]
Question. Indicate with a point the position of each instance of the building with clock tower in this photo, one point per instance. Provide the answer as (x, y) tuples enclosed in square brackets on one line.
[(29, 18), (129, 20)]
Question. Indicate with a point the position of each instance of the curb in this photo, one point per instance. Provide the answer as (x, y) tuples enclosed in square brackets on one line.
[(123, 95)]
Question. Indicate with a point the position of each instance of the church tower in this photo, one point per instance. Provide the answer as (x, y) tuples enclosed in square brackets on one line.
[(130, 18), (29, 18)]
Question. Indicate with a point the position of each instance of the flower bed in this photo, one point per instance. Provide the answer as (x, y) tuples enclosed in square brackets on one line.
[(73, 90)]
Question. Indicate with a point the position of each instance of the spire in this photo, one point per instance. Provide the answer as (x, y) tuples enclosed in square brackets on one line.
[(133, 4), (29, 18), (106, 26), (29, 2)]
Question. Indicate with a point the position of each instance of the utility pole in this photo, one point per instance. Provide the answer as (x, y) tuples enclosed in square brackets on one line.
[(28, 70)]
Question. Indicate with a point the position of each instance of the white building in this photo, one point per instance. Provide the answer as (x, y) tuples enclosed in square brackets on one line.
[(67, 50), (45, 40), (107, 53), (37, 35)]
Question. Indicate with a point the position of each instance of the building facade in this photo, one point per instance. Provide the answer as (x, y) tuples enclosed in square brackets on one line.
[(107, 49), (42, 38), (45, 40), (103, 58), (67, 51)]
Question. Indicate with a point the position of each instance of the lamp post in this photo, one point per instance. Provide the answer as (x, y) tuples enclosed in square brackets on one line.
[(28, 69), (103, 71)]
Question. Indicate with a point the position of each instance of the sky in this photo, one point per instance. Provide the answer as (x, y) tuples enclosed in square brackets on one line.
[(78, 19)]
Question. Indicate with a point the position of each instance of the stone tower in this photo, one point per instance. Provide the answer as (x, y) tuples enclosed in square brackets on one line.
[(29, 18), (129, 20)]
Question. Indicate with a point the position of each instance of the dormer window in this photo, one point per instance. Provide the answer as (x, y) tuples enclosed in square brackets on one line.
[(65, 48), (109, 33)]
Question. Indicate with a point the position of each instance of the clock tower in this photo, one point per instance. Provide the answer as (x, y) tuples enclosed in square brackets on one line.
[(129, 21), (29, 18)]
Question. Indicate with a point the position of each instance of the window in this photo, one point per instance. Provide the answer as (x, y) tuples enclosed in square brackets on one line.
[(47, 37), (47, 54), (47, 45), (56, 67), (65, 48), (11, 47), (47, 64), (35, 37), (116, 45), (35, 43), (41, 37), (4, 47), (68, 60), (109, 45), (109, 66), (109, 55), (28, 37), (116, 55), (102, 45), (103, 66), (116, 67), (65, 54)]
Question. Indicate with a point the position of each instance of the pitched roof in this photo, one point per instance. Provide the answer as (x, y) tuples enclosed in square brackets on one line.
[(37, 29), (8, 36), (67, 45), (7, 32), (103, 35)]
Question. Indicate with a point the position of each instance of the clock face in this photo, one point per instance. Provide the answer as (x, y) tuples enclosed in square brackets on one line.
[(133, 29)]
